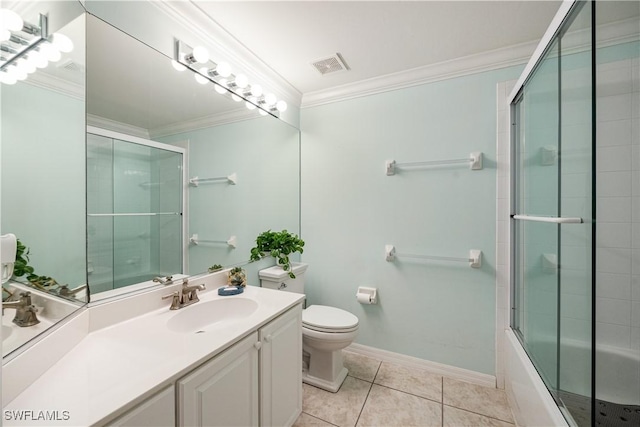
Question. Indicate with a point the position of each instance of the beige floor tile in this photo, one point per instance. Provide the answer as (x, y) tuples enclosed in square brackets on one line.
[(388, 407), (341, 408), (305, 420), (359, 366), (481, 400), (414, 381), (453, 417)]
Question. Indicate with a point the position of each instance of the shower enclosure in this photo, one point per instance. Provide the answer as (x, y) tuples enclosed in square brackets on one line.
[(575, 205), (134, 210)]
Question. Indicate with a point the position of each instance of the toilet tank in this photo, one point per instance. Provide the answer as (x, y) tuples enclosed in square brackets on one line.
[(276, 278)]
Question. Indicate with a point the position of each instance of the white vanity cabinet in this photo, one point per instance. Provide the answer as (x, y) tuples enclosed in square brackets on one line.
[(156, 411), (257, 381), (281, 369)]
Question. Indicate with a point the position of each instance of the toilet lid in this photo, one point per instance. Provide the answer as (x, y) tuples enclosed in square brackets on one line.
[(328, 318)]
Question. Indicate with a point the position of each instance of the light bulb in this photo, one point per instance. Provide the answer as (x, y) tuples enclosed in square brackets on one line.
[(242, 81), (200, 54), (223, 69), (7, 79), (62, 42), (256, 90), (235, 97), (177, 66), (270, 99), (9, 20), (18, 73), (4, 34), (281, 106), (27, 66), (251, 103), (199, 76), (40, 61), (50, 52), (220, 87)]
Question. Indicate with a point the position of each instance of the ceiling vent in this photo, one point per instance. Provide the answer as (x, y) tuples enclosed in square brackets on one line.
[(332, 64), (71, 65)]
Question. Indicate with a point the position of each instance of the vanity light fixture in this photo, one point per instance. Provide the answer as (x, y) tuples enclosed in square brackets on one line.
[(237, 86), (25, 47)]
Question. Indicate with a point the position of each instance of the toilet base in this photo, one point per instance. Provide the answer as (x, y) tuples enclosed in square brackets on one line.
[(332, 386)]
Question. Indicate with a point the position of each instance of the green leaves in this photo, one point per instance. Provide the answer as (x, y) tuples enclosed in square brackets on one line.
[(279, 244), (22, 268)]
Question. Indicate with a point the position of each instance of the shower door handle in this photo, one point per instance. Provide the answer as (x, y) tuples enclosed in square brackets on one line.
[(552, 219)]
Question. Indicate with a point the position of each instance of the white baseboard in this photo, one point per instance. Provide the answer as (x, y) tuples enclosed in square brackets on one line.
[(426, 365)]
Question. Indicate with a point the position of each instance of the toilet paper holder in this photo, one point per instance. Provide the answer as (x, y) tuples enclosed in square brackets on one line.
[(367, 295)]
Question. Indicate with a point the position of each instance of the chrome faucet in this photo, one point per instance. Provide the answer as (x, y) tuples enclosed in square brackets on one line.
[(66, 292), (186, 296), (25, 311), (164, 280)]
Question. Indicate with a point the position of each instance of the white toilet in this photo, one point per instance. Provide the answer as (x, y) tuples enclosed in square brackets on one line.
[(325, 331)]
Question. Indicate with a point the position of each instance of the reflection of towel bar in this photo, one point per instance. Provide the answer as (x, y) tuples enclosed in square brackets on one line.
[(231, 179), (474, 160), (552, 219), (232, 241), (474, 259), (137, 214)]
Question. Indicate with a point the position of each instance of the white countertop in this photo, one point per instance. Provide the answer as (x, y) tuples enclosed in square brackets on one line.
[(114, 368)]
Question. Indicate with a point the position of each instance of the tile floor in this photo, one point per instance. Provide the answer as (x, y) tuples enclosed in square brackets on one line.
[(383, 394)]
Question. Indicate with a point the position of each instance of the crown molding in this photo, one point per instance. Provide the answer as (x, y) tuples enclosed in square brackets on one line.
[(56, 84), (472, 64), (204, 122), (609, 34), (212, 34), (104, 123)]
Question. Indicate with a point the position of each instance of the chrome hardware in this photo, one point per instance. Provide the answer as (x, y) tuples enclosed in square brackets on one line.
[(282, 286), (25, 311), (163, 280), (175, 302), (186, 296), (66, 292)]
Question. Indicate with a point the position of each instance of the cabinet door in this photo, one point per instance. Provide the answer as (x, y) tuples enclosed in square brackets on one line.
[(281, 369), (223, 391), (156, 411)]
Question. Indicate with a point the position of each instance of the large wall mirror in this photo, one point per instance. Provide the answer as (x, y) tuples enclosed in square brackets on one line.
[(246, 165), (43, 176)]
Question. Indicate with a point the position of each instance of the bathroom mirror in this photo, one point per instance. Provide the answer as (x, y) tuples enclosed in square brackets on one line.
[(43, 168), (246, 165)]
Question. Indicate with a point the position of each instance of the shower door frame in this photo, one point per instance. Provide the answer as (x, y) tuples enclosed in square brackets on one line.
[(564, 13), (185, 180)]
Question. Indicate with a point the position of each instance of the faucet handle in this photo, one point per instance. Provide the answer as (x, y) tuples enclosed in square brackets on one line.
[(26, 297), (175, 302)]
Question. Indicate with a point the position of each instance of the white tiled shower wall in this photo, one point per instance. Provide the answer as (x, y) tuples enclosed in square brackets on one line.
[(618, 204)]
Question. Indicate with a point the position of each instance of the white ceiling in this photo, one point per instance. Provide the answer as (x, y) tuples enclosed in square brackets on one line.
[(376, 38)]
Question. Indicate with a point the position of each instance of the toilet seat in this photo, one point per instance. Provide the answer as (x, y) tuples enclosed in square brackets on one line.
[(322, 318)]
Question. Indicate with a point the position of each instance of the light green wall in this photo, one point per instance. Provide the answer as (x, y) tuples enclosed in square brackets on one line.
[(442, 312), (264, 153), (43, 178)]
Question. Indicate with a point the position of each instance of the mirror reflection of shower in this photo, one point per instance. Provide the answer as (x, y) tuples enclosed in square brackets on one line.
[(134, 210)]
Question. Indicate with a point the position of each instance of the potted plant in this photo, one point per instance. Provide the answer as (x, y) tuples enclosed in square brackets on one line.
[(22, 268), (237, 277), (214, 268), (278, 244)]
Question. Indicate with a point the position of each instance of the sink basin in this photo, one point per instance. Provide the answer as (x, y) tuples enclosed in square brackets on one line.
[(205, 314), (6, 331)]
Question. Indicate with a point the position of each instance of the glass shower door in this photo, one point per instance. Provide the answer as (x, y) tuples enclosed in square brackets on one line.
[(134, 212), (553, 217), (536, 250)]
